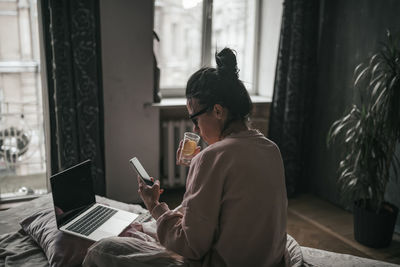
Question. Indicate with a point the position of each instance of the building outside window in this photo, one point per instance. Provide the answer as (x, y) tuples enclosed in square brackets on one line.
[(191, 31), (22, 149)]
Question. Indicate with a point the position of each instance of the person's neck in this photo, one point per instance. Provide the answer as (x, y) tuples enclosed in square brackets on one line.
[(234, 127)]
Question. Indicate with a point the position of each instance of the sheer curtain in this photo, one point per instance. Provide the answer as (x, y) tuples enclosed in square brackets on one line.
[(72, 50), (294, 84)]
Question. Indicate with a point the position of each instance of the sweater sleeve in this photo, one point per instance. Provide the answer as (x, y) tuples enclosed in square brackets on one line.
[(192, 232)]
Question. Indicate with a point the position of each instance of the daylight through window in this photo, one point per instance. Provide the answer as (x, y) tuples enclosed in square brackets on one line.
[(22, 150), (191, 31)]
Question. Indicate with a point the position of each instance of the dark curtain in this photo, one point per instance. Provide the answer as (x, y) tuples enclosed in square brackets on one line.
[(294, 84), (72, 45)]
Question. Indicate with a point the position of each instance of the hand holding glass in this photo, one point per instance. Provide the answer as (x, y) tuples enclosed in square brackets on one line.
[(187, 152)]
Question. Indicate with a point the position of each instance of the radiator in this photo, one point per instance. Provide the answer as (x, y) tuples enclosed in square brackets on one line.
[(171, 134)]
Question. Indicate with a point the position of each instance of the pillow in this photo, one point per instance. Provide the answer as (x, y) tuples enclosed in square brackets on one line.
[(61, 249)]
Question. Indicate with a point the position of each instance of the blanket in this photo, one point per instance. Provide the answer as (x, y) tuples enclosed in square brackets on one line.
[(19, 249)]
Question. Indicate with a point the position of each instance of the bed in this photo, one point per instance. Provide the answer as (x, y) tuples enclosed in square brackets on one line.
[(28, 237)]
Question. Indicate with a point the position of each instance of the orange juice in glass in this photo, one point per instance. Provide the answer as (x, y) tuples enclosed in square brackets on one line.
[(190, 141)]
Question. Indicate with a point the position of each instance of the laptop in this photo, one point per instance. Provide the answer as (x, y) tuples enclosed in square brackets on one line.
[(76, 210)]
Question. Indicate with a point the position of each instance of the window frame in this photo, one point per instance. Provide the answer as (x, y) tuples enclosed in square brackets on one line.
[(206, 55)]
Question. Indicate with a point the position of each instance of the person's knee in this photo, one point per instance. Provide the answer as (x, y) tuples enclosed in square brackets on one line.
[(99, 251), (127, 252), (105, 245)]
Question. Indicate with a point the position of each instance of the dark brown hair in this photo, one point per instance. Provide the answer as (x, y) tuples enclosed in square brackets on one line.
[(222, 86)]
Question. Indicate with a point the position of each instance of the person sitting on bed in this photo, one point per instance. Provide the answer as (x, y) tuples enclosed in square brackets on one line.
[(234, 209), (233, 212)]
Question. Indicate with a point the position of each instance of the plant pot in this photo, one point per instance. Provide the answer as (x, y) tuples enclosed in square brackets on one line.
[(372, 229)]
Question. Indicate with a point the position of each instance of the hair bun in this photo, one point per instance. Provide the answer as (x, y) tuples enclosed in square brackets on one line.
[(226, 63)]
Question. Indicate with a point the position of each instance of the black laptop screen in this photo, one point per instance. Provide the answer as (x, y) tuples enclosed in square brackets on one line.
[(72, 191)]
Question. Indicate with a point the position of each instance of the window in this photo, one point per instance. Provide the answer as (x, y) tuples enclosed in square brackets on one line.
[(191, 31), (234, 25), (22, 151)]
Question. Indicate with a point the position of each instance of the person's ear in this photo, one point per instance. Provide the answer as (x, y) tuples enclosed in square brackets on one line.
[(219, 111)]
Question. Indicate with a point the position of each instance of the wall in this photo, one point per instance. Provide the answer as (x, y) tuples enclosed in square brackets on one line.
[(131, 127), (350, 32)]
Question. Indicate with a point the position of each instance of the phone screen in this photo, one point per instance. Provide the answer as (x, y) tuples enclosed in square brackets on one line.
[(141, 171)]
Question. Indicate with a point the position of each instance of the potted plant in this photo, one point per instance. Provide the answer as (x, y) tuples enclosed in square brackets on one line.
[(369, 133)]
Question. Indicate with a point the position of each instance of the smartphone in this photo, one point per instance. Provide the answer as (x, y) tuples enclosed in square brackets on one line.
[(141, 171)]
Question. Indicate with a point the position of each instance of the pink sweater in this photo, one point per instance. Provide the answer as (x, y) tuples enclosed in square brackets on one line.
[(234, 208)]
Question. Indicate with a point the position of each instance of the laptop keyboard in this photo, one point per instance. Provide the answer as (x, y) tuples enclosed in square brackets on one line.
[(144, 217), (91, 221)]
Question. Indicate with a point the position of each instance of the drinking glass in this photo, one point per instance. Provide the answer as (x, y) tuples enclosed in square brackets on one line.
[(190, 141)]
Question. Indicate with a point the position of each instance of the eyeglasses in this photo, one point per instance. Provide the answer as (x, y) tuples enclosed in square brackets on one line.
[(193, 116)]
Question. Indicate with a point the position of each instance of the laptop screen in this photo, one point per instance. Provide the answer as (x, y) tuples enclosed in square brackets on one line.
[(72, 191)]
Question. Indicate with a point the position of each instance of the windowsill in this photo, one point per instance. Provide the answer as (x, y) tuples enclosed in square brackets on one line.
[(13, 202), (181, 102)]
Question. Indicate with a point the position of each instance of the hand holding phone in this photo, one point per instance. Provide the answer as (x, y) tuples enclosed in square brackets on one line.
[(137, 166)]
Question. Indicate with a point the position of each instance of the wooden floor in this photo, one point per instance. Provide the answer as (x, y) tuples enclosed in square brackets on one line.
[(318, 224)]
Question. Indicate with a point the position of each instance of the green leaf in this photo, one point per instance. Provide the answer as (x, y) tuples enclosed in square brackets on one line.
[(393, 82), (350, 137), (361, 75), (357, 68), (377, 105), (352, 182), (376, 69), (373, 58), (376, 88)]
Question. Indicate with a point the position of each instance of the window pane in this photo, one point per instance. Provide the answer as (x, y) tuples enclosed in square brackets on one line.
[(178, 23), (233, 26), (22, 151)]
